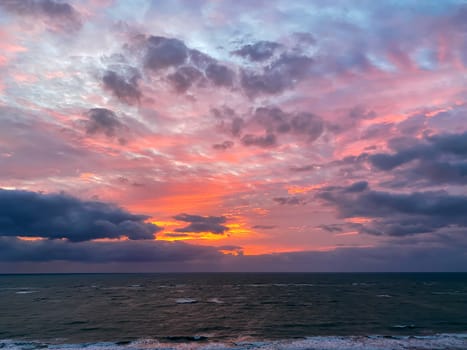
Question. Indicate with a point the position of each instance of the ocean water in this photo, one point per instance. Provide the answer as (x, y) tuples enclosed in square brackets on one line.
[(233, 311)]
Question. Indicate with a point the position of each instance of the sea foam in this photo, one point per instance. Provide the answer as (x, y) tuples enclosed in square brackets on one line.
[(434, 342)]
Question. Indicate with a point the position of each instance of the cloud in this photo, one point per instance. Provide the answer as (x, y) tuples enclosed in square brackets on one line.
[(223, 146), (264, 227), (274, 120), (58, 15), (15, 250), (220, 75), (280, 75), (304, 168), (162, 53), (126, 89), (398, 214), (332, 228), (103, 121), (438, 158), (289, 200), (184, 77), (54, 216), (359, 186), (22, 131), (229, 121), (264, 141), (266, 125), (197, 223), (259, 51)]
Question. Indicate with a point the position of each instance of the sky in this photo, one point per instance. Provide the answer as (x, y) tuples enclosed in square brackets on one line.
[(265, 135)]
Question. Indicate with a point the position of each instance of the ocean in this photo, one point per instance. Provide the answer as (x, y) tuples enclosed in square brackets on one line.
[(233, 311)]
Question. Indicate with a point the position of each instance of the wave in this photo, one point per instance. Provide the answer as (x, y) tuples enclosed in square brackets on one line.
[(215, 301), (186, 301), (439, 341)]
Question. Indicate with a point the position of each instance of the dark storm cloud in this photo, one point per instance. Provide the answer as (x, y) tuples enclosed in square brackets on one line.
[(184, 77), (126, 89), (438, 158), (31, 214), (103, 121), (164, 52), (60, 14), (15, 250), (399, 214), (289, 200), (259, 51), (223, 146), (264, 141), (198, 223), (280, 75)]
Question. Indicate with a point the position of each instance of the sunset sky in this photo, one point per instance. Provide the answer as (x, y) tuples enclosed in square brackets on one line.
[(241, 135)]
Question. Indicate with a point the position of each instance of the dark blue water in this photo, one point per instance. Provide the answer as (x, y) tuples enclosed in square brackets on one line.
[(234, 310)]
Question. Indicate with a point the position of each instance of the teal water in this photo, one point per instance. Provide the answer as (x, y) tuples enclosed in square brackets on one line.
[(40, 310)]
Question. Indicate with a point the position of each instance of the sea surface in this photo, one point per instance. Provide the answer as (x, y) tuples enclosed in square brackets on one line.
[(233, 311)]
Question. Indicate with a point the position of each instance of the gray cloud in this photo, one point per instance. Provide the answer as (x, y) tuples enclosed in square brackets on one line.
[(151, 256), (351, 118), (23, 132), (274, 120), (198, 223), (126, 89), (15, 250), (294, 200), (437, 159), (280, 75), (200, 59), (229, 121), (265, 141), (163, 52), (264, 127), (184, 77), (399, 214), (220, 75), (333, 228), (31, 214), (304, 168), (259, 51), (264, 227), (410, 149), (103, 121), (60, 15), (223, 146)]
